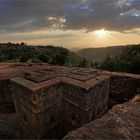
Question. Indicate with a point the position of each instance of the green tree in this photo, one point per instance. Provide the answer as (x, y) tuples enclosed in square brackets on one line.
[(24, 58), (2, 58), (135, 64), (127, 61), (83, 63), (95, 65), (108, 64), (44, 58), (60, 58), (36, 60)]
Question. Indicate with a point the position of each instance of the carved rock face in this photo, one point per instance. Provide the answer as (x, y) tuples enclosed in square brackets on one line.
[(50, 97), (121, 122), (53, 100)]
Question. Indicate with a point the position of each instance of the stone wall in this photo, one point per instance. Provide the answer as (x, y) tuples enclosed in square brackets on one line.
[(37, 116), (122, 88), (6, 98)]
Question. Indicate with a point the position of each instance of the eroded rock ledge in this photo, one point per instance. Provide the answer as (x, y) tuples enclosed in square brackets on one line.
[(121, 122)]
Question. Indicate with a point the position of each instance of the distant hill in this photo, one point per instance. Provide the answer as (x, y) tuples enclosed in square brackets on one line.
[(99, 54)]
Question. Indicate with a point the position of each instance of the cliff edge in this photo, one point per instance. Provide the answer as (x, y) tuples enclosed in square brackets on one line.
[(121, 122)]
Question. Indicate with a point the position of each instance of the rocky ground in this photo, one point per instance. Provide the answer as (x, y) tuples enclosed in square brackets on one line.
[(121, 122)]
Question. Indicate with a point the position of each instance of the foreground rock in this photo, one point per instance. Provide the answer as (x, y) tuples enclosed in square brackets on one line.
[(122, 122)]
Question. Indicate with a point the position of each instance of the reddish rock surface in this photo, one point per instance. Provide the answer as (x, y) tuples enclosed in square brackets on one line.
[(46, 99), (122, 122)]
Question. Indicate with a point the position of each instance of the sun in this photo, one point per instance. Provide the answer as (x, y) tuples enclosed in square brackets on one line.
[(101, 33)]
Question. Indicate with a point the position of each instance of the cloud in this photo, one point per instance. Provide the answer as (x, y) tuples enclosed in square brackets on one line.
[(34, 15), (132, 12), (104, 14), (135, 31)]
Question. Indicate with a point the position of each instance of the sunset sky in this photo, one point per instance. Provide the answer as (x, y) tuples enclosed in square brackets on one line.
[(70, 23)]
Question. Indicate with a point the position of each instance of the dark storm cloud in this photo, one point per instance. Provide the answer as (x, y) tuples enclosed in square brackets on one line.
[(31, 15), (105, 13)]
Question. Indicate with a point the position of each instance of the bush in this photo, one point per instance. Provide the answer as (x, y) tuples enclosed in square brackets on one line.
[(83, 63), (44, 58), (36, 60), (24, 58)]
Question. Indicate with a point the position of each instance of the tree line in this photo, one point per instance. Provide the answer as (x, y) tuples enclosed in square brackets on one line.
[(127, 61), (21, 52)]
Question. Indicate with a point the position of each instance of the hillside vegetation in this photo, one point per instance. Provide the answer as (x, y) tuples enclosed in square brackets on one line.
[(10, 52), (127, 61)]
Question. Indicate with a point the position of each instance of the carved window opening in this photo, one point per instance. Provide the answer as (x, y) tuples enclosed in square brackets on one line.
[(24, 118), (52, 119), (98, 111), (73, 116)]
